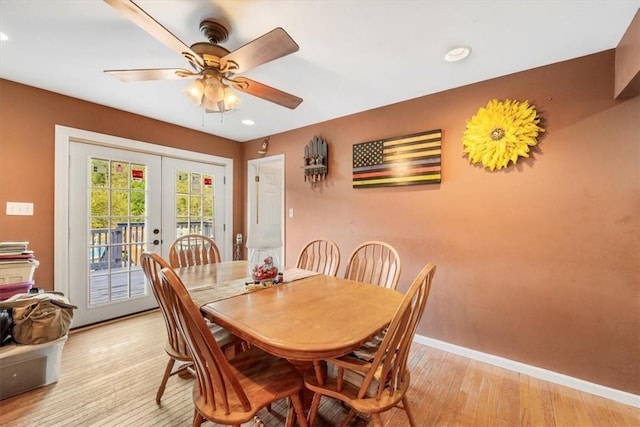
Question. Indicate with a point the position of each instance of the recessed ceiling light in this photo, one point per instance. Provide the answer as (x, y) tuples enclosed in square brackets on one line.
[(3, 37), (248, 122), (457, 54)]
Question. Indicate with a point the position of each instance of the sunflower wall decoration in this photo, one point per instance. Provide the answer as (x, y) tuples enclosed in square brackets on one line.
[(500, 132)]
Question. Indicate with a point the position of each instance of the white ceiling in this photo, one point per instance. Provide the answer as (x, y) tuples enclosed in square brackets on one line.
[(354, 54)]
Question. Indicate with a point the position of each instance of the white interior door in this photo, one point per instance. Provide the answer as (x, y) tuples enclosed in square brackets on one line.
[(193, 201), (114, 208), (266, 199)]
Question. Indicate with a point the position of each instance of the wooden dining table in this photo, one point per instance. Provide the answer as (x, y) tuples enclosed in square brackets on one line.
[(310, 317)]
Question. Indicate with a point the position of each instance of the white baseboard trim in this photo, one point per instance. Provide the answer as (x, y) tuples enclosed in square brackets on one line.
[(533, 371)]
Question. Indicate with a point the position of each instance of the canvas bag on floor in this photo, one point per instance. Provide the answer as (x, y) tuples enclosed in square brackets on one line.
[(39, 318)]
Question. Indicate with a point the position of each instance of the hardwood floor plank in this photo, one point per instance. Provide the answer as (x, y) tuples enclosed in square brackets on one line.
[(425, 398), (630, 414), (566, 406), (110, 374), (450, 414), (599, 413), (470, 385), (531, 408), (488, 396), (508, 406)]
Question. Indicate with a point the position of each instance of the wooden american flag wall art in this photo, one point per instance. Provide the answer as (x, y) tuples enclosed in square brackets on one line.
[(406, 160)]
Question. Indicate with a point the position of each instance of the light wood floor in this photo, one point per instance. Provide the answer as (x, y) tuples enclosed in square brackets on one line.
[(110, 374)]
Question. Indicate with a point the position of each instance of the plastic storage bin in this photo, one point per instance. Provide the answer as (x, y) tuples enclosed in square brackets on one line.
[(7, 291), (17, 272), (25, 367)]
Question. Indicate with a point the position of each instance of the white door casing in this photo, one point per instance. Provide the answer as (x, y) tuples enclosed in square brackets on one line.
[(65, 137)]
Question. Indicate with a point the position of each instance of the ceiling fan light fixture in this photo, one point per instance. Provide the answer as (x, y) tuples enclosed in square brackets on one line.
[(213, 89), (231, 100), (211, 94), (195, 91), (219, 100), (211, 105)]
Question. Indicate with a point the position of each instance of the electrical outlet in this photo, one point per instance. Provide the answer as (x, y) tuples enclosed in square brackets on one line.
[(19, 208)]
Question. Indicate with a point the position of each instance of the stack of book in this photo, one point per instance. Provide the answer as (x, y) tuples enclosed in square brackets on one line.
[(15, 251), (17, 264)]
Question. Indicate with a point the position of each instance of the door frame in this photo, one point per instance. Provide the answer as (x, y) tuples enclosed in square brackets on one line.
[(63, 136), (251, 172)]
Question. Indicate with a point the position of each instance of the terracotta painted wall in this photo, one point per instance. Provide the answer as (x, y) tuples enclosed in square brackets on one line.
[(27, 127), (539, 263), (627, 77)]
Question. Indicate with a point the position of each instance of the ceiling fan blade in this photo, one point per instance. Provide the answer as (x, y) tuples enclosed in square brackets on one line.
[(150, 74), (273, 45), (137, 15), (266, 92)]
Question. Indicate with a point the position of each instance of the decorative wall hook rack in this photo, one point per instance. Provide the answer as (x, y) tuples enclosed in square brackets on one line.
[(264, 146), (315, 160)]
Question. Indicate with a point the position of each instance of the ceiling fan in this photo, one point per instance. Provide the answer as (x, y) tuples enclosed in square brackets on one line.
[(215, 67)]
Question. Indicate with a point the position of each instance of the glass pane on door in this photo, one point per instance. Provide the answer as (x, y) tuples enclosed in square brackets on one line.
[(117, 217), (194, 203)]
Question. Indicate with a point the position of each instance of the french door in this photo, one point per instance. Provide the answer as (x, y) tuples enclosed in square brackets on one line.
[(121, 203), (115, 205), (193, 195)]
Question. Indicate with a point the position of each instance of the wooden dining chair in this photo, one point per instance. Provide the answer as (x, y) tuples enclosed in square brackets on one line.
[(321, 256), (152, 264), (377, 385), (374, 262), (232, 391), (193, 249)]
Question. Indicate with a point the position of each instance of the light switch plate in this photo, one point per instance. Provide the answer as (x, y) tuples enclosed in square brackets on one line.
[(19, 208)]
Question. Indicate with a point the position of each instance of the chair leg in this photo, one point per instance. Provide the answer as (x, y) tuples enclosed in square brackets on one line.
[(313, 412), (405, 406), (197, 418), (319, 372), (377, 422), (186, 371), (296, 402), (339, 378), (163, 384), (348, 418), (291, 415)]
